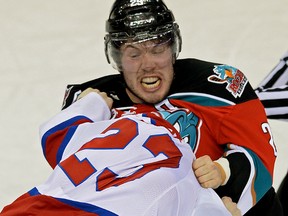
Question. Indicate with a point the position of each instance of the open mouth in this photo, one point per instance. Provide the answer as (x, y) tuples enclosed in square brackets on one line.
[(150, 82)]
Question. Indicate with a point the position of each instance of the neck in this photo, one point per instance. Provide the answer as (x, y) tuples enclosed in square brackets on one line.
[(133, 97)]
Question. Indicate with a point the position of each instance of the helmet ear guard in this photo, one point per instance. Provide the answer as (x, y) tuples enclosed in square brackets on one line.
[(136, 22)]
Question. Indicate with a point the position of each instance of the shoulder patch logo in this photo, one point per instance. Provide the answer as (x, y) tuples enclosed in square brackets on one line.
[(235, 79)]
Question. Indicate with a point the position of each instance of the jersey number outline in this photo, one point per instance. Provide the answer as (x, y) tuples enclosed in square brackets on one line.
[(266, 129), (78, 171)]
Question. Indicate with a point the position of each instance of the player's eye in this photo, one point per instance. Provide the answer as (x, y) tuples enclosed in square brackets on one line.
[(134, 54), (158, 49)]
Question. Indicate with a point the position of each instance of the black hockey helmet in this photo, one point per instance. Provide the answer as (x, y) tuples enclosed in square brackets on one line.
[(139, 21)]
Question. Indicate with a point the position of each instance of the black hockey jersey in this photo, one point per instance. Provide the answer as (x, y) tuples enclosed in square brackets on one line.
[(214, 86)]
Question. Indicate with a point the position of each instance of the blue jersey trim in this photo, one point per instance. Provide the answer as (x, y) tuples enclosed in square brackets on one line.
[(79, 205), (68, 136), (88, 207)]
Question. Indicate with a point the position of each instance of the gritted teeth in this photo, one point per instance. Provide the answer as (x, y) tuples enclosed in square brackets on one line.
[(150, 82)]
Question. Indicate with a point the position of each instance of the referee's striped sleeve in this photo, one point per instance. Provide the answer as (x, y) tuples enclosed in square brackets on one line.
[(273, 91)]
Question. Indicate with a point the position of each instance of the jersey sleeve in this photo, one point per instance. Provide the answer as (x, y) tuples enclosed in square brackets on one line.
[(275, 100), (57, 132), (244, 130), (251, 153)]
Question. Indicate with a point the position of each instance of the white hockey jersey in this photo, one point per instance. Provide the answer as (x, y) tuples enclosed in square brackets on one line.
[(126, 166)]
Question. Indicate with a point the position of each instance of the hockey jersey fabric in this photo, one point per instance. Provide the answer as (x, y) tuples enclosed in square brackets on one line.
[(134, 164), (225, 116)]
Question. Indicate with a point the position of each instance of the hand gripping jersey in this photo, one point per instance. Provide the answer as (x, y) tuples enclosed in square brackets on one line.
[(132, 165), (216, 111)]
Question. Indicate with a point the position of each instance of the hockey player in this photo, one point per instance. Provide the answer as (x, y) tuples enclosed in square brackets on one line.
[(209, 106), (131, 165), (223, 120)]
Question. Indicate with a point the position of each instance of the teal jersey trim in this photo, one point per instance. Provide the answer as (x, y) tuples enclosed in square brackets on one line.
[(201, 99), (263, 179)]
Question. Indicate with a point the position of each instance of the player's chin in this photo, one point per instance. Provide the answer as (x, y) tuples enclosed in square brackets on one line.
[(153, 98), (155, 95)]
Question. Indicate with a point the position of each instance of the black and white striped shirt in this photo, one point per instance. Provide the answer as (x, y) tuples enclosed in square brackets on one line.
[(273, 90)]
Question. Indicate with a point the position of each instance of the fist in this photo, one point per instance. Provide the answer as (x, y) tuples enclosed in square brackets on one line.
[(108, 100), (208, 173)]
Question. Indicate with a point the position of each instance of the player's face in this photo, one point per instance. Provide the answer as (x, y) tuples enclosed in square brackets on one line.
[(148, 71)]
